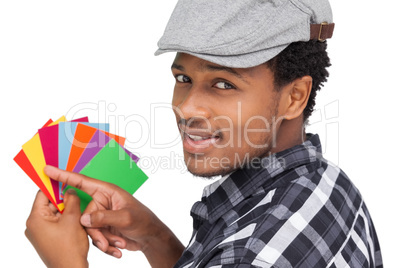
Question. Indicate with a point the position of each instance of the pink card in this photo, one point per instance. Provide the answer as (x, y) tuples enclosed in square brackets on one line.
[(49, 138)]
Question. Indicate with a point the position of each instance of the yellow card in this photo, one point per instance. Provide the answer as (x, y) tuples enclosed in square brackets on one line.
[(34, 152)]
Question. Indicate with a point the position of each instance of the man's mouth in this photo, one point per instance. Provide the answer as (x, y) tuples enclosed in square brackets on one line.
[(198, 140), (202, 137)]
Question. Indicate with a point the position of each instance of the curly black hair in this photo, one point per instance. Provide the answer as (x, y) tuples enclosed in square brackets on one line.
[(300, 59)]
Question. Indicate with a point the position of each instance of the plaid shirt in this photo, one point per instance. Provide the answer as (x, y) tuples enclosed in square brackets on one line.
[(295, 210)]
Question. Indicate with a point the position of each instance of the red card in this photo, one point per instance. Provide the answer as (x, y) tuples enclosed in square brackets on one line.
[(22, 160)]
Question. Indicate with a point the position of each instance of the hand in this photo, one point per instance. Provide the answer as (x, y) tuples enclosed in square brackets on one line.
[(115, 219), (59, 239)]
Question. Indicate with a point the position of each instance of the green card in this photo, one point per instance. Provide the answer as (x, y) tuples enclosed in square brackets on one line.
[(112, 164)]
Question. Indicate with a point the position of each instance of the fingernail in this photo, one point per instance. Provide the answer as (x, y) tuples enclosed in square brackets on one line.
[(98, 244), (71, 191), (118, 244), (86, 220), (116, 255)]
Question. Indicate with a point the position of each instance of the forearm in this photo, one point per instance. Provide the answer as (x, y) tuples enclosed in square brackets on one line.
[(163, 250)]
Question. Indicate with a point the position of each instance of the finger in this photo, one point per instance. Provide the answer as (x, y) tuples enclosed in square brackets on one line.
[(114, 240), (72, 205), (41, 200), (99, 204), (98, 239), (79, 181), (110, 250), (115, 218), (52, 208), (115, 252)]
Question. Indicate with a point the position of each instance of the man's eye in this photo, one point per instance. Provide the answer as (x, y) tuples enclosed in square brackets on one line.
[(224, 85), (182, 78)]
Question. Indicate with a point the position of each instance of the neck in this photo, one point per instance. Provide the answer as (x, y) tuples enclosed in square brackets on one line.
[(290, 133)]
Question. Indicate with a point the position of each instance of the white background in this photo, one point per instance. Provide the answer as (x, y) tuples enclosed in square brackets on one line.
[(96, 58)]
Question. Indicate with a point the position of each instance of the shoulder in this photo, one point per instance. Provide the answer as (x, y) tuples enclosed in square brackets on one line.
[(310, 216)]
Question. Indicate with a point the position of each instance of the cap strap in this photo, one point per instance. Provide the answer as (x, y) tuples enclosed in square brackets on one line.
[(322, 31)]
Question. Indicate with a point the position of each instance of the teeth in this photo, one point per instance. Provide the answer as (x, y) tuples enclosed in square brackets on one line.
[(197, 138)]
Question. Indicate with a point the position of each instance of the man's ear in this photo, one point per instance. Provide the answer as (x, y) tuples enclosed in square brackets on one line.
[(297, 97)]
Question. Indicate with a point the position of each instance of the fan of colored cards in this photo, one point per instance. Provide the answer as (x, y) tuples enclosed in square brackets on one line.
[(83, 147)]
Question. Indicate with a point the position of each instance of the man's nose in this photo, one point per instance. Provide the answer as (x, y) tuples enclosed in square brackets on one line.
[(194, 104)]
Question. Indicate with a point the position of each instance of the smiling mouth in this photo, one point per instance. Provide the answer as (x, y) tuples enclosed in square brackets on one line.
[(198, 134), (198, 140)]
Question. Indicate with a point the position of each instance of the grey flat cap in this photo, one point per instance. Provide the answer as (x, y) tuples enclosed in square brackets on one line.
[(243, 33)]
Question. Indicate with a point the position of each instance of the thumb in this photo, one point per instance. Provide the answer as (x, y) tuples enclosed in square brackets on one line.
[(72, 204), (115, 218)]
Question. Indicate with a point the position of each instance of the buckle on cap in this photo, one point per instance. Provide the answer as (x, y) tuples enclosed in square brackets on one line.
[(319, 33)]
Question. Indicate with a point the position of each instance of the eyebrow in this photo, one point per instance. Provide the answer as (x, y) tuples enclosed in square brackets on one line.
[(213, 68), (178, 67)]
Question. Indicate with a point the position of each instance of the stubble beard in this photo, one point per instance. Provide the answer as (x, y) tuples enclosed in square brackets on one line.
[(251, 154), (238, 161)]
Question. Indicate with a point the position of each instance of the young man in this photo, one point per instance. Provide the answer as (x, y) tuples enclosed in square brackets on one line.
[(247, 73)]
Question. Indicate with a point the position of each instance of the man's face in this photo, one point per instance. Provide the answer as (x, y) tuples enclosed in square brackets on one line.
[(226, 116)]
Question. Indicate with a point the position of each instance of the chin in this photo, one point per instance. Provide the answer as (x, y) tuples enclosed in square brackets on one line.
[(209, 174)]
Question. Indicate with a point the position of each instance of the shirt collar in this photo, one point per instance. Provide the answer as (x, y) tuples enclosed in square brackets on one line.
[(222, 195)]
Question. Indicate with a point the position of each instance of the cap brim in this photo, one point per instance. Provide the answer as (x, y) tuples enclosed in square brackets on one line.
[(248, 60)]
